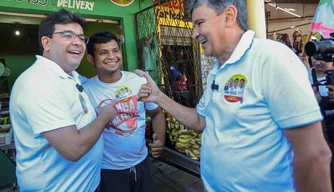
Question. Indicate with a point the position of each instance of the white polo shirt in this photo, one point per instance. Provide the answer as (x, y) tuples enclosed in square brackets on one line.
[(45, 98), (243, 145)]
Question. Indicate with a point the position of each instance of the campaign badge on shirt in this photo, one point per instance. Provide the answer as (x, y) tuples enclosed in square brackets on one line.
[(83, 104), (234, 88)]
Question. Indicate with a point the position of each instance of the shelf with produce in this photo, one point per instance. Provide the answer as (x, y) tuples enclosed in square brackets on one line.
[(182, 146), (4, 102), (6, 132)]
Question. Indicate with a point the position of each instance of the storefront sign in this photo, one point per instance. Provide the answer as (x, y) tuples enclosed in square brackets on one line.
[(122, 2), (172, 14), (169, 14), (171, 10), (76, 4), (176, 4), (40, 2)]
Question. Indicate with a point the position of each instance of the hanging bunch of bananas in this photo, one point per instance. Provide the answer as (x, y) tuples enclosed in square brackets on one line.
[(185, 140)]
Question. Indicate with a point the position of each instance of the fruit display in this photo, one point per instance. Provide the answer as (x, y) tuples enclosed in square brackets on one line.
[(4, 121), (185, 140), (4, 124)]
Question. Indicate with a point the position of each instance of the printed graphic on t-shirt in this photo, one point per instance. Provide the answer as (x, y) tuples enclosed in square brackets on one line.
[(234, 88), (83, 104), (126, 111), (123, 92)]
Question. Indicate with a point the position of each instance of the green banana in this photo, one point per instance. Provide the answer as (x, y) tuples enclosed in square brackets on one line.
[(182, 140), (181, 145)]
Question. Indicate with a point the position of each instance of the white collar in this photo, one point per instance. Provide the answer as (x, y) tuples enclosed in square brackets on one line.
[(54, 67), (240, 50)]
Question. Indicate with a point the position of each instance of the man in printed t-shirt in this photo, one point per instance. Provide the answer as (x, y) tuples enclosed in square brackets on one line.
[(125, 164)]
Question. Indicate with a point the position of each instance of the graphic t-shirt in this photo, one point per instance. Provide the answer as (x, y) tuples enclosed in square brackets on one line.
[(124, 136)]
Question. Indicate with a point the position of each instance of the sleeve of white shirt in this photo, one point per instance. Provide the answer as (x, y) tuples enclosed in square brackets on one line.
[(200, 107), (287, 89), (150, 105), (82, 79), (46, 108), (88, 85)]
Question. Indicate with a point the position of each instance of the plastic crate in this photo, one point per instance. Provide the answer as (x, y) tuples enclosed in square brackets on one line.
[(6, 138)]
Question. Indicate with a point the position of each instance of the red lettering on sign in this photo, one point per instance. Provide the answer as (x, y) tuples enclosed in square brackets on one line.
[(176, 4)]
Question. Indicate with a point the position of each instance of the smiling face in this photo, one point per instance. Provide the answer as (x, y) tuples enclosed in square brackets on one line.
[(208, 29), (67, 53), (321, 66), (107, 59)]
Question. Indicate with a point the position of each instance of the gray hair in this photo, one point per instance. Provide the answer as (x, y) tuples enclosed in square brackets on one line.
[(220, 5)]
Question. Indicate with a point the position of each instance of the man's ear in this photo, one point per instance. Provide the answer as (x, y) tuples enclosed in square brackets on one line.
[(91, 60), (46, 43), (231, 13)]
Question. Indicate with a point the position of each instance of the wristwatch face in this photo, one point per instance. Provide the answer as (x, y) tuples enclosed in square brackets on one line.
[(2, 69)]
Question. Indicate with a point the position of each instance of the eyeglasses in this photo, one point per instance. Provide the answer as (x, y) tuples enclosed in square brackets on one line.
[(70, 35)]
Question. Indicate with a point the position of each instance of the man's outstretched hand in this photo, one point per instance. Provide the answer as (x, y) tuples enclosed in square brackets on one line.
[(149, 92)]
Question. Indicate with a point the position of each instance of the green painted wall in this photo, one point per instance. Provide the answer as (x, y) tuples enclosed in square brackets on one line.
[(7, 174), (95, 9), (19, 54), (17, 64), (85, 67)]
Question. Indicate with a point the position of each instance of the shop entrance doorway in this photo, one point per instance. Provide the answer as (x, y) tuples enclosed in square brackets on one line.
[(20, 44)]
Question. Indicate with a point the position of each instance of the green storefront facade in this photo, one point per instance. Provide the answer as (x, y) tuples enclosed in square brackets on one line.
[(113, 15)]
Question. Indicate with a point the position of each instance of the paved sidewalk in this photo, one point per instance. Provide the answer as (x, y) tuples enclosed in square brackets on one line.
[(169, 179), (165, 178)]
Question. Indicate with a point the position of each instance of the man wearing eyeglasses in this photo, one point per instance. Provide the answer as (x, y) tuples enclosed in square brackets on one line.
[(57, 133)]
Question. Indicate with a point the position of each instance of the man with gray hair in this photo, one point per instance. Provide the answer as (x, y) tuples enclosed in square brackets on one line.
[(270, 137)]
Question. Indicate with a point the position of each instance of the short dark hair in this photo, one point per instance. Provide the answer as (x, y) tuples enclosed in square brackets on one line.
[(98, 38), (220, 5), (47, 26)]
